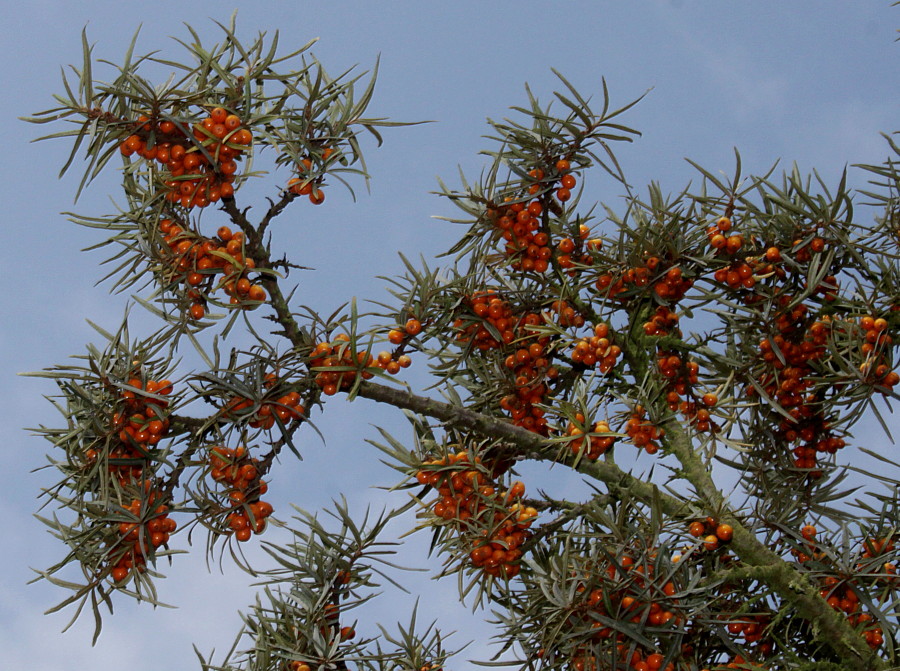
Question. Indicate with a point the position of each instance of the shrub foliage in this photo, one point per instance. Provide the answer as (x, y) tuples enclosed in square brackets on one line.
[(737, 333)]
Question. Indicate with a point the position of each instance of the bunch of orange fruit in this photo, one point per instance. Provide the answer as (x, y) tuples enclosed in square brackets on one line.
[(336, 365), (790, 374), (201, 166), (286, 408), (630, 658), (711, 532), (876, 342), (491, 317), (526, 244), (139, 539), (236, 469), (138, 426), (308, 182), (618, 589), (203, 264), (643, 433), (496, 522), (598, 443), (597, 350)]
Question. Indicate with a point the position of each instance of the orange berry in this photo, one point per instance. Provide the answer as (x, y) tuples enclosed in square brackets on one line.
[(218, 115), (724, 532), (413, 327), (256, 293), (697, 529), (232, 122)]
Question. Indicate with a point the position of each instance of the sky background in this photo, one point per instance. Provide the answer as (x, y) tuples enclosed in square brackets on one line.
[(808, 81)]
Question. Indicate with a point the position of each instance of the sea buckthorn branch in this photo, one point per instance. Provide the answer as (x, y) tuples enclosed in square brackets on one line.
[(257, 249), (639, 364), (514, 348), (524, 442), (786, 580), (321, 575), (275, 208), (792, 585), (195, 428)]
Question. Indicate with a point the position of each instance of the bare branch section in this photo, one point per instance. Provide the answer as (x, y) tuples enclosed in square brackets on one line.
[(700, 361)]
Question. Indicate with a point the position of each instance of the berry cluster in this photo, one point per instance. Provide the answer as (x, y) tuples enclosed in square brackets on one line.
[(139, 539), (803, 251), (742, 663), (274, 406), (842, 596), (598, 440), (238, 471), (680, 377), (790, 358), (209, 175), (412, 328), (668, 281), (752, 628), (201, 168), (875, 547), (566, 314), (286, 409), (673, 285), (520, 223), (875, 346), (808, 550), (711, 532), (597, 350), (530, 364), (618, 589), (663, 322), (346, 364), (308, 182), (721, 241), (338, 356), (138, 427), (744, 270), (526, 244), (630, 658), (493, 317), (571, 251), (643, 433), (196, 261), (611, 285), (567, 180), (840, 592), (495, 522)]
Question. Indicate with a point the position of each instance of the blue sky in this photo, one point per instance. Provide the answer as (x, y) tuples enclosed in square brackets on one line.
[(811, 81)]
